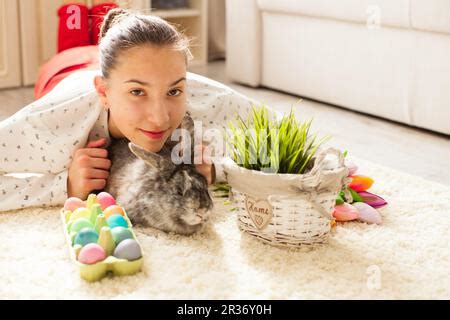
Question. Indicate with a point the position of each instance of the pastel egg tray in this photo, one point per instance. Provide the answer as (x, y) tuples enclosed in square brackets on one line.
[(101, 237)]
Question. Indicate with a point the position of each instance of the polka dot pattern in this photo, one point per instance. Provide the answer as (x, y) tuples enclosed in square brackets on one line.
[(41, 138)]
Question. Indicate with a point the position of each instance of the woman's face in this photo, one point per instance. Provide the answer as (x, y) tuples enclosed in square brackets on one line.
[(146, 95)]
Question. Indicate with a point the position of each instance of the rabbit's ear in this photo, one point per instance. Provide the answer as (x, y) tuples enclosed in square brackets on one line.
[(187, 185), (151, 158)]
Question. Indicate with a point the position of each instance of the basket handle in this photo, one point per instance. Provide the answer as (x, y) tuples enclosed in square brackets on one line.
[(317, 169), (320, 160)]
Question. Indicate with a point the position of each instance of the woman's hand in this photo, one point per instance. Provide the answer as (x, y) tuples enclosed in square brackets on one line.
[(205, 165), (89, 170)]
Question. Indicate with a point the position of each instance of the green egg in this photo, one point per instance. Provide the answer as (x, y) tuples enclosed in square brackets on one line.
[(79, 213), (79, 224), (120, 233)]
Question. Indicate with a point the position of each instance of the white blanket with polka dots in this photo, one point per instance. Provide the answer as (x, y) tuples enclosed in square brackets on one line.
[(41, 139)]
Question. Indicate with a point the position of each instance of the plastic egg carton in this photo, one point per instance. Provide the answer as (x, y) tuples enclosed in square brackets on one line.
[(100, 237)]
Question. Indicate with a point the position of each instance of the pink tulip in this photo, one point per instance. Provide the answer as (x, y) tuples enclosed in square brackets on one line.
[(367, 213), (345, 212), (372, 199)]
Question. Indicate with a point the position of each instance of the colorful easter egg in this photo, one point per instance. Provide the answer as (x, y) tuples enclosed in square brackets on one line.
[(367, 213), (360, 183), (114, 209), (80, 213), (91, 253), (80, 224), (116, 220), (106, 200), (73, 203), (345, 212), (120, 233), (128, 249), (86, 236), (372, 199)]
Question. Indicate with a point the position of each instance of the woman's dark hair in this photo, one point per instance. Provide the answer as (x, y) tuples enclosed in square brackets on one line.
[(122, 30)]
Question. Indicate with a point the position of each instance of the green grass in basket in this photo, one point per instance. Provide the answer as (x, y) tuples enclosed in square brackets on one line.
[(265, 144)]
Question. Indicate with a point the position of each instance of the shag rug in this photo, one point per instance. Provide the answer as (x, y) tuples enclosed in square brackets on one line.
[(408, 257)]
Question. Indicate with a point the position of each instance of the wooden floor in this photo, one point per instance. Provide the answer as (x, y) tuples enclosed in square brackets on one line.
[(415, 151)]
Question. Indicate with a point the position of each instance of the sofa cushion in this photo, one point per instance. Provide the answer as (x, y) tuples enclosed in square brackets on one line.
[(366, 74), (431, 15), (391, 12)]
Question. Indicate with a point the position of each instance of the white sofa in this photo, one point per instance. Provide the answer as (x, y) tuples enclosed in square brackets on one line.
[(389, 58)]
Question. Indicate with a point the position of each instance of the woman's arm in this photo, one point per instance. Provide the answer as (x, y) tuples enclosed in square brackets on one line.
[(43, 137), (42, 190)]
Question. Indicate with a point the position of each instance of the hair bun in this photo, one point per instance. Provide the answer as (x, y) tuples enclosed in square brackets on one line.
[(112, 17)]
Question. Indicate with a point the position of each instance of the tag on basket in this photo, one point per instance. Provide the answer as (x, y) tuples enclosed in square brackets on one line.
[(260, 211)]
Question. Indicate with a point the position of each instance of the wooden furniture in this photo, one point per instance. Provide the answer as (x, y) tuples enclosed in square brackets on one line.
[(28, 33), (193, 20), (9, 44)]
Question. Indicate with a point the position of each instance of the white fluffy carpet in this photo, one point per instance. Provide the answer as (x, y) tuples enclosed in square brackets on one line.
[(406, 257)]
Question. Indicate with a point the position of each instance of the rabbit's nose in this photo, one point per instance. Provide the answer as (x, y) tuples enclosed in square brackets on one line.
[(202, 213)]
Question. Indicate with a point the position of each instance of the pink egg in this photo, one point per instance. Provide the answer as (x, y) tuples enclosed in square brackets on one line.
[(91, 253), (73, 203), (105, 200)]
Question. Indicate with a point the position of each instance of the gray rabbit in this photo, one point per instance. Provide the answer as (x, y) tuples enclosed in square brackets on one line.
[(156, 192)]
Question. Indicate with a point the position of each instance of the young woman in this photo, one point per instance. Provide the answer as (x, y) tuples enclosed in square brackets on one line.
[(134, 85)]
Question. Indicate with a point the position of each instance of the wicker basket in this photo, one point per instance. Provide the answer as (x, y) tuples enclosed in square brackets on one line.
[(293, 210)]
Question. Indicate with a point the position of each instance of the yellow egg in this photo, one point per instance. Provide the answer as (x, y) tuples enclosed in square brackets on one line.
[(114, 209), (80, 213)]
